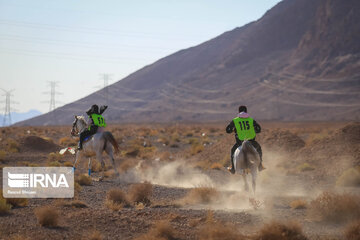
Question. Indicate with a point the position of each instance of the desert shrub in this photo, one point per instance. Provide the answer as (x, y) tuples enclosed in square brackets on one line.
[(52, 157), (17, 202), (162, 230), (77, 187), (67, 164), (95, 166), (116, 199), (216, 166), (334, 207), (47, 216), (95, 235), (4, 206), (218, 231), (350, 177), (13, 146), (84, 180), (54, 164), (196, 148), (305, 167), (67, 141), (19, 237), (281, 231), (2, 155), (352, 231), (298, 204), (141, 193), (201, 195)]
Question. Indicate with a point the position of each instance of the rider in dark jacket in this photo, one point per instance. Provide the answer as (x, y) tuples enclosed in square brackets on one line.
[(256, 129), (95, 121)]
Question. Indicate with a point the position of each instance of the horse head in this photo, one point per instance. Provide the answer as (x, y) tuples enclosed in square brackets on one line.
[(78, 125)]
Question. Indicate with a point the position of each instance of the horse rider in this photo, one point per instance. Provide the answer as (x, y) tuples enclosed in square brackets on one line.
[(245, 128), (94, 122)]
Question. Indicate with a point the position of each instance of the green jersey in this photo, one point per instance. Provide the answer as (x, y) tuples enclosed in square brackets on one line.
[(244, 128), (98, 120)]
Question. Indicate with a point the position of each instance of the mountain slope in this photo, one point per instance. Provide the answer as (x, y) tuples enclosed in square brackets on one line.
[(300, 61)]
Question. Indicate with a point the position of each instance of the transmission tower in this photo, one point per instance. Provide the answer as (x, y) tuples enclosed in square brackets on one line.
[(8, 102), (53, 93), (106, 77)]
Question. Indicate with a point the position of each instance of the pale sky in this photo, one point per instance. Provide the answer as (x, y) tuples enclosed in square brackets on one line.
[(73, 42)]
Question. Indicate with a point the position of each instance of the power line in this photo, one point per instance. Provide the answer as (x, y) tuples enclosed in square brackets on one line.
[(8, 102), (106, 77), (53, 93)]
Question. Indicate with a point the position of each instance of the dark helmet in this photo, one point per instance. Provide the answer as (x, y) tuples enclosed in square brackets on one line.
[(242, 109), (94, 109)]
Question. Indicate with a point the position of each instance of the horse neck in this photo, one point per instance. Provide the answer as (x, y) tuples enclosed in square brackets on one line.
[(81, 125)]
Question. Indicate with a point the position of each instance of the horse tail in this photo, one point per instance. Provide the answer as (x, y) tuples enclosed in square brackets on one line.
[(109, 137)]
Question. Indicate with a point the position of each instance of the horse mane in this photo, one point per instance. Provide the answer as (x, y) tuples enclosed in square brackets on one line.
[(81, 118)]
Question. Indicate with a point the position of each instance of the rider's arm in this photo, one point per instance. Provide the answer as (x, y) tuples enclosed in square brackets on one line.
[(230, 128), (257, 127)]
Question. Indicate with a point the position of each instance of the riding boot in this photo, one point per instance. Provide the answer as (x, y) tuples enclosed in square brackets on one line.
[(79, 146)]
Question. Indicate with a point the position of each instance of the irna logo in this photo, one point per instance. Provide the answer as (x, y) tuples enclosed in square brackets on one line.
[(34, 180), (38, 182)]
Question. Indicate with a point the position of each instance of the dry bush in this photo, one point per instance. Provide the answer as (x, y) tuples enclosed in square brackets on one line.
[(19, 237), (77, 187), (141, 193), (162, 230), (219, 231), (12, 146), (67, 164), (54, 164), (281, 231), (17, 202), (348, 178), (298, 204), (305, 167), (216, 166), (84, 180), (196, 148), (2, 155), (67, 141), (95, 235), (95, 166), (4, 206), (213, 230), (334, 207), (127, 164), (116, 199), (54, 157), (47, 216), (201, 195), (352, 231)]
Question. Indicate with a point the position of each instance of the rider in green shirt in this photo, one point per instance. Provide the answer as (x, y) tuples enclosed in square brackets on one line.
[(245, 128), (95, 121)]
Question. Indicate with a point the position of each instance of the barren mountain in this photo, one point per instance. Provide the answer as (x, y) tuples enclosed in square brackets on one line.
[(300, 61)]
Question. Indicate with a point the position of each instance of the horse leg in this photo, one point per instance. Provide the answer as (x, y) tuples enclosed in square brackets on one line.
[(77, 158), (109, 151), (245, 181), (89, 167), (254, 176), (100, 159)]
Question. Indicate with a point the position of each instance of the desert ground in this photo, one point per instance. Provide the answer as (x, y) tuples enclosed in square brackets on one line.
[(173, 184)]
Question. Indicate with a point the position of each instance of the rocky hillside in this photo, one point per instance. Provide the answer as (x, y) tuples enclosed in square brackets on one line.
[(300, 61)]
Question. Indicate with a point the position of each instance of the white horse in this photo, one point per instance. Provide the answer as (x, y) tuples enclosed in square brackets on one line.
[(246, 157), (98, 143)]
